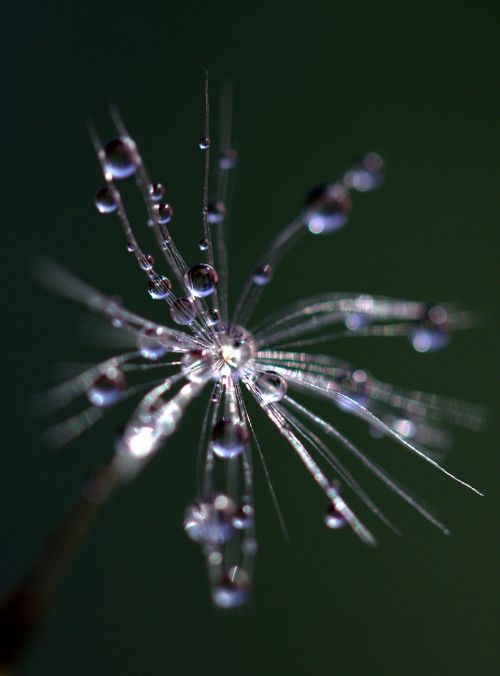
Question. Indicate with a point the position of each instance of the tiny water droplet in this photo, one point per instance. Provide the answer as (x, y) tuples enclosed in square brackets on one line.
[(201, 279), (233, 589), (131, 247), (158, 287), (228, 159), (156, 191), (204, 143), (366, 174), (216, 212), (244, 517), (333, 518), (106, 390), (183, 311), (262, 274), (209, 522), (327, 208), (212, 316), (146, 262), (120, 157), (164, 212), (228, 438), (203, 244), (105, 200)]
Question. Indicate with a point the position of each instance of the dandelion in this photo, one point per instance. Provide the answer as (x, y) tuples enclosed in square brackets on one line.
[(207, 349)]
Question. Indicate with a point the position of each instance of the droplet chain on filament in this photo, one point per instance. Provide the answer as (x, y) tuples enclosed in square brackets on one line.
[(201, 349)]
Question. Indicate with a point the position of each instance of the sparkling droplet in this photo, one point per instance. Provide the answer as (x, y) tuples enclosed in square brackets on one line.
[(203, 244), (156, 191), (228, 438), (146, 262), (271, 386), (105, 200), (158, 287), (228, 159), (366, 174), (333, 518), (152, 343), (198, 366), (262, 274), (328, 208), (216, 212), (243, 518), (237, 347), (204, 143), (233, 589), (131, 247), (201, 279), (209, 522), (120, 157), (183, 311), (164, 212), (106, 390)]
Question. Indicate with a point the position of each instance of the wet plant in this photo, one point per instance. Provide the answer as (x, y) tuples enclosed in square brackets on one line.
[(205, 348)]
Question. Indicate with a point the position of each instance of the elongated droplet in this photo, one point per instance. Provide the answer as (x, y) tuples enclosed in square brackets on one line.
[(328, 208), (183, 311), (271, 386), (228, 438), (233, 589), (107, 389)]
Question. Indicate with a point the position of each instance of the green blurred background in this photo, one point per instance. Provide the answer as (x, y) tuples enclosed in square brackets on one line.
[(316, 84)]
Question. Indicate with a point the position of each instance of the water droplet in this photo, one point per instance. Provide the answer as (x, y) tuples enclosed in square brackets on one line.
[(204, 143), (243, 518), (229, 438), (152, 343), (146, 262), (233, 589), (156, 191), (271, 386), (237, 347), (120, 157), (262, 274), (158, 287), (228, 159), (105, 200), (432, 332), (212, 317), (183, 311), (106, 390), (356, 321), (198, 366), (203, 244), (366, 174), (131, 247), (201, 279), (327, 208), (209, 522), (333, 518), (216, 212), (164, 213)]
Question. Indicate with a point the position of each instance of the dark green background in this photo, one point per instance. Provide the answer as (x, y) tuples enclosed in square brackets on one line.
[(316, 84)]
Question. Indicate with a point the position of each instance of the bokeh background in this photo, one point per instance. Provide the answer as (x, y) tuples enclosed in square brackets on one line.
[(316, 84)]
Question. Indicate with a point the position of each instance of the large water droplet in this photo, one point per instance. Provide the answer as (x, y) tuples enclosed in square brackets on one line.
[(152, 343), (201, 279), (159, 287), (233, 589), (366, 174), (209, 522), (328, 208), (164, 213), (271, 386), (120, 157), (107, 389), (183, 311), (229, 438), (105, 200), (237, 347)]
